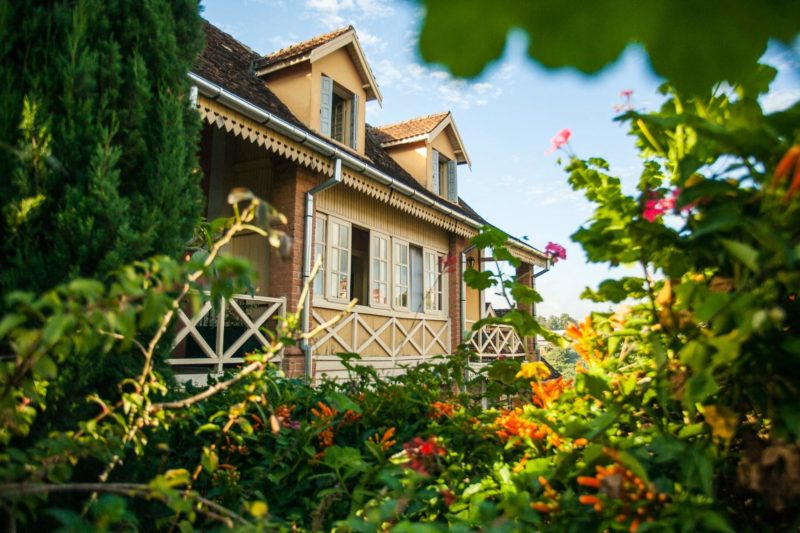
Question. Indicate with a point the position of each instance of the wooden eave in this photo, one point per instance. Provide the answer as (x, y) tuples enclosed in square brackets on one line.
[(348, 40)]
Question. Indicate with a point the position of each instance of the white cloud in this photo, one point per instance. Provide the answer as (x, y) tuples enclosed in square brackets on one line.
[(371, 41), (779, 100), (335, 13)]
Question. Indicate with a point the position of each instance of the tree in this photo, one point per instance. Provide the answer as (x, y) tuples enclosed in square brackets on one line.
[(97, 138), (692, 44)]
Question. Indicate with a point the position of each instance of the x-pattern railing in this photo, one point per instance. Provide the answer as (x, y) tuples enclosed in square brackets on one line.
[(434, 341), (495, 340), (240, 311)]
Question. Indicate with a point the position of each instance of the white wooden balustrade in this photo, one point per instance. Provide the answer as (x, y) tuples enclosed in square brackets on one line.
[(237, 322), (495, 340)]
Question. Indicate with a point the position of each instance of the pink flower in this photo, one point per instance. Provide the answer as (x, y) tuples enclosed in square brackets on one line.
[(626, 93), (555, 251), (656, 206), (560, 139)]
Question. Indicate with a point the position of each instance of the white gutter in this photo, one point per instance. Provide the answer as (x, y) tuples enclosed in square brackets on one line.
[(217, 93), (307, 259)]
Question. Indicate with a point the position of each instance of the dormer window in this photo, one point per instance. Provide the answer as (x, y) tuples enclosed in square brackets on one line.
[(338, 113), (445, 176)]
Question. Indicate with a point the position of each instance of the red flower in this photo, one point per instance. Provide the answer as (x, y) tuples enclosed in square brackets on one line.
[(560, 139), (555, 251)]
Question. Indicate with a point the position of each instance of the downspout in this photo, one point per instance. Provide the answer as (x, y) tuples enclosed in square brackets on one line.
[(308, 248)]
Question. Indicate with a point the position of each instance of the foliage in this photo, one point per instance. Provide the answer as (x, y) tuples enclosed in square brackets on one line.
[(564, 360), (711, 46), (559, 322), (97, 140)]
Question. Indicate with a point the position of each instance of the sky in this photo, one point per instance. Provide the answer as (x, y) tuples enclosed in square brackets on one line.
[(506, 118)]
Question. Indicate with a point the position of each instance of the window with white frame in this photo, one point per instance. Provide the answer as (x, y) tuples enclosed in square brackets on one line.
[(320, 241), (338, 113), (401, 275), (379, 270), (338, 260), (432, 281)]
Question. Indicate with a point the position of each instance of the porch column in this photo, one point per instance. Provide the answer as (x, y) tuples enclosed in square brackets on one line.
[(286, 274), (455, 246), (525, 276)]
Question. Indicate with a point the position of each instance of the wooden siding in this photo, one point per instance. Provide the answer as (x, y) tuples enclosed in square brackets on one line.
[(369, 213)]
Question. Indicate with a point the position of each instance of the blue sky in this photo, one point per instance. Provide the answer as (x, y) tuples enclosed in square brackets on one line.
[(506, 117)]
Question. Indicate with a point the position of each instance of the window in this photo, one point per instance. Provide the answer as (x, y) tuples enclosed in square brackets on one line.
[(401, 275), (379, 271), (339, 260), (338, 113), (445, 177), (432, 277), (359, 266), (320, 239)]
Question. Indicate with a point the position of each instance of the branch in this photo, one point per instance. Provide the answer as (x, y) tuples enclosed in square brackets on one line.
[(126, 489)]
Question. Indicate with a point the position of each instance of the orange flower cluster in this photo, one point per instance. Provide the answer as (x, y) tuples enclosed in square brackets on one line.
[(550, 494), (350, 417), (587, 342), (386, 441), (546, 392), (788, 168), (512, 425), (440, 409), (324, 416), (623, 489)]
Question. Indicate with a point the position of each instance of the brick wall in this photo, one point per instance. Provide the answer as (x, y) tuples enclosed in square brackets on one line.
[(456, 246), (288, 197)]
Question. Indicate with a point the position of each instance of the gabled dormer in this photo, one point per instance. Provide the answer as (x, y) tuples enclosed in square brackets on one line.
[(326, 82), (430, 149)]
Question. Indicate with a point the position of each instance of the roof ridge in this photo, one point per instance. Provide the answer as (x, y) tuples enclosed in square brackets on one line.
[(231, 37), (322, 37), (443, 114)]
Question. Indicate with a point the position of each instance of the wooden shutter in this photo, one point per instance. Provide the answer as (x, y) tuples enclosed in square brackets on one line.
[(452, 182), (354, 122), (326, 106), (435, 161)]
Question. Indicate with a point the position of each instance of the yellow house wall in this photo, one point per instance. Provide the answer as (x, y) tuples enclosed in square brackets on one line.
[(413, 158), (293, 86), (339, 67), (473, 303)]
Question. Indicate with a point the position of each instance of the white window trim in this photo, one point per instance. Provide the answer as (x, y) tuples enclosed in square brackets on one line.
[(440, 277), (401, 242), (322, 273), (389, 269), (329, 261)]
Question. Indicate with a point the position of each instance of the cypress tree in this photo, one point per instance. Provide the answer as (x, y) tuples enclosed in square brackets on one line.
[(97, 138)]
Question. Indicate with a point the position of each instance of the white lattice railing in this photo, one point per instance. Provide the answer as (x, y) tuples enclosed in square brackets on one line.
[(216, 337), (382, 333), (495, 340)]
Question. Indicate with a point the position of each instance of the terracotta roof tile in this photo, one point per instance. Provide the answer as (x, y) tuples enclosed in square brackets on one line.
[(300, 49), (409, 128)]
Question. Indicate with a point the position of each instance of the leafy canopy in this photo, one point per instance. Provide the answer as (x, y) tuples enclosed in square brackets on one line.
[(692, 44)]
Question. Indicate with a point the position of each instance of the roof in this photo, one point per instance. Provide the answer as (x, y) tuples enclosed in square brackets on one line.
[(318, 47), (226, 62), (300, 49), (406, 129)]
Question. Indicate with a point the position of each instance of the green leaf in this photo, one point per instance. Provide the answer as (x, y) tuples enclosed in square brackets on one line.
[(744, 253), (206, 428)]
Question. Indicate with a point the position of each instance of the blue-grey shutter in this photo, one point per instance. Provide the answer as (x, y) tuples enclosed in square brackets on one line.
[(435, 161), (326, 106), (452, 182), (354, 122)]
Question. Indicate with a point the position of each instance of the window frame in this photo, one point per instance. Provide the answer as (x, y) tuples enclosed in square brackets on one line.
[(394, 277), (389, 267), (439, 277), (332, 222), (321, 274)]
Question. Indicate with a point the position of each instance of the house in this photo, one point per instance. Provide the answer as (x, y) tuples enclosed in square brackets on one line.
[(379, 204)]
